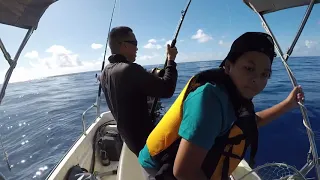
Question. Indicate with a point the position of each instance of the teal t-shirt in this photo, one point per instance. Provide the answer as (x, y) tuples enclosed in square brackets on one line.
[(207, 114)]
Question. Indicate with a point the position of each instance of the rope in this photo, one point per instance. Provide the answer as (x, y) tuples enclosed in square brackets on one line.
[(304, 121)]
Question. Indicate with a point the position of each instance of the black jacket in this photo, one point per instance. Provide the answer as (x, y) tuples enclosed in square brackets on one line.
[(126, 86)]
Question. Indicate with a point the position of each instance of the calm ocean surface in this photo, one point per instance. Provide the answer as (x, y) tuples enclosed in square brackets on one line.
[(41, 119)]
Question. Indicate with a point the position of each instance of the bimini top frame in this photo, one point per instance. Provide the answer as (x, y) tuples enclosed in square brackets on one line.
[(262, 7), (268, 6), (22, 14)]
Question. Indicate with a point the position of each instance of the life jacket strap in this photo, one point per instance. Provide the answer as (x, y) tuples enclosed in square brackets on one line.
[(236, 140), (230, 154), (253, 152), (226, 165)]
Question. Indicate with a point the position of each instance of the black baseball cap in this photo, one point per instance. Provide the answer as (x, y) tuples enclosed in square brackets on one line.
[(251, 41)]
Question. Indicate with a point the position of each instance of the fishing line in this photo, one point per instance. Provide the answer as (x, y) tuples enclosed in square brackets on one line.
[(119, 11), (104, 58), (105, 49)]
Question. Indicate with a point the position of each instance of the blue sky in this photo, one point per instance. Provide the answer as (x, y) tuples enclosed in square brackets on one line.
[(72, 33)]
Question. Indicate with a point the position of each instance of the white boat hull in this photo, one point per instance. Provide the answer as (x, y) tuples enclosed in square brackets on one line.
[(129, 168), (81, 153)]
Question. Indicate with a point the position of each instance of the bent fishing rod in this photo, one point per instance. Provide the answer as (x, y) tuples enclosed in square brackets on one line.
[(173, 43), (104, 60)]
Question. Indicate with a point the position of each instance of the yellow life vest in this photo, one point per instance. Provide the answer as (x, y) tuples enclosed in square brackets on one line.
[(229, 149)]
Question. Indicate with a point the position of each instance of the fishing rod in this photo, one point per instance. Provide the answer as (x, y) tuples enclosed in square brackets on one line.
[(104, 60), (173, 43)]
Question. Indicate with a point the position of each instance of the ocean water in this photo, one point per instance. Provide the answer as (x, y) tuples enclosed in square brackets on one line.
[(41, 119)]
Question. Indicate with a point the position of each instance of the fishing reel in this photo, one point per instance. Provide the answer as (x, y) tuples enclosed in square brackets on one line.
[(158, 72)]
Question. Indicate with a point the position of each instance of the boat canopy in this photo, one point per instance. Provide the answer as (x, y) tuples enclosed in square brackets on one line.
[(23, 13), (268, 6)]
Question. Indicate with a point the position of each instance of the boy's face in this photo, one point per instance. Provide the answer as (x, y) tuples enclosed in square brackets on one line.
[(250, 73)]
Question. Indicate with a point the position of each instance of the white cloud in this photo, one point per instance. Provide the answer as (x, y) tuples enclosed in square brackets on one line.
[(307, 48), (96, 46), (59, 61), (32, 55), (153, 41), (151, 58), (201, 36), (25, 74), (170, 41), (60, 57), (147, 57), (310, 43), (224, 44), (152, 44), (57, 49)]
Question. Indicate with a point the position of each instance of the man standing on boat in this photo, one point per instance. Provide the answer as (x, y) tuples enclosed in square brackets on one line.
[(127, 85)]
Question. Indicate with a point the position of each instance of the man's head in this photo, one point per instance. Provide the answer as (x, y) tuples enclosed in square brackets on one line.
[(123, 41), (249, 62)]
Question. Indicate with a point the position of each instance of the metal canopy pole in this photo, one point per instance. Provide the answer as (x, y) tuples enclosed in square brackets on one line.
[(302, 25), (13, 62), (5, 52), (284, 59), (279, 50)]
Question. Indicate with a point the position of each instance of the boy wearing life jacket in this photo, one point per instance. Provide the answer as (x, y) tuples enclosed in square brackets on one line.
[(206, 132)]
